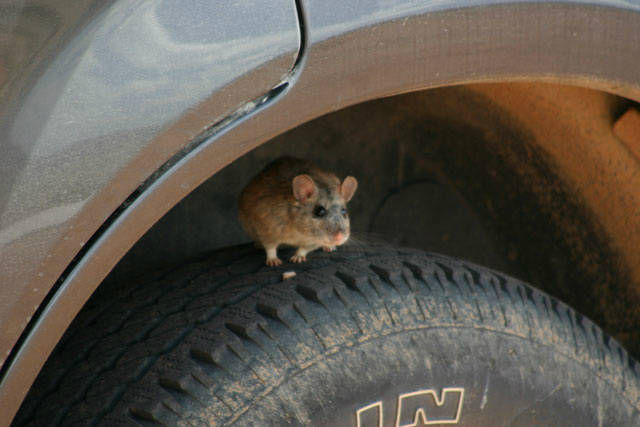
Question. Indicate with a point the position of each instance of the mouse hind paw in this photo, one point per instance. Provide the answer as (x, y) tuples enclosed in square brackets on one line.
[(272, 256), (273, 262)]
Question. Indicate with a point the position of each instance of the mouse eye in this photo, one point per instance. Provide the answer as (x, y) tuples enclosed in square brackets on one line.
[(320, 211), (344, 211)]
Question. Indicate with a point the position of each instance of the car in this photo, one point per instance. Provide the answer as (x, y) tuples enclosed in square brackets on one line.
[(504, 133)]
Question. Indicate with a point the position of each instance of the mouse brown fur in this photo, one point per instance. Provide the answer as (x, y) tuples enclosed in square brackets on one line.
[(292, 202)]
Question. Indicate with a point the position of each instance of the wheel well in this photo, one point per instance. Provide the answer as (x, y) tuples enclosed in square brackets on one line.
[(507, 175)]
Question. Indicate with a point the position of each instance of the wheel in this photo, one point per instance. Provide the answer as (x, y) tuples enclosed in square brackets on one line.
[(372, 336)]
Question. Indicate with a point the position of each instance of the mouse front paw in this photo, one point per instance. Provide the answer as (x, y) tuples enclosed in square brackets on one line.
[(273, 262), (328, 248), (297, 259)]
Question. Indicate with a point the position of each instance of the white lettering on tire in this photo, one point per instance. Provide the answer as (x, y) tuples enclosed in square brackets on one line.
[(422, 407), (378, 406)]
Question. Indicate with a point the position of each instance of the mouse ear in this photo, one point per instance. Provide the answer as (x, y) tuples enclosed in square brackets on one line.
[(304, 188), (348, 188)]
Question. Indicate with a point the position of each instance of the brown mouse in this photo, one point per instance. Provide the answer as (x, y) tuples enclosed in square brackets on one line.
[(292, 202)]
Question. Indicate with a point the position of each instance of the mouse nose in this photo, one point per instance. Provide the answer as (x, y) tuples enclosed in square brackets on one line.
[(338, 237)]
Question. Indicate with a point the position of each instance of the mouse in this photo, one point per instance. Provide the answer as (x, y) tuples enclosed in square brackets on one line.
[(293, 202)]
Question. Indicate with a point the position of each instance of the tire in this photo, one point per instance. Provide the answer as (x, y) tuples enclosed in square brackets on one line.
[(357, 334)]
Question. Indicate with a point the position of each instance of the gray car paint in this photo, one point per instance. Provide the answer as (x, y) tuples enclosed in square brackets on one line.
[(358, 51), (106, 99)]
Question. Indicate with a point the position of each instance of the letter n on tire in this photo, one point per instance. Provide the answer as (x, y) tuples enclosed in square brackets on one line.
[(426, 407)]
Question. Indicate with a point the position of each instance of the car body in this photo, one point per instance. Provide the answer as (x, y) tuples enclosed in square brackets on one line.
[(115, 111)]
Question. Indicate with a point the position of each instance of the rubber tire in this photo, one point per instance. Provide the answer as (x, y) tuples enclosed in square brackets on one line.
[(227, 341)]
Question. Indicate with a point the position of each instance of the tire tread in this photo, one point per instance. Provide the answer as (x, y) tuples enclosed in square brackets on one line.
[(165, 350)]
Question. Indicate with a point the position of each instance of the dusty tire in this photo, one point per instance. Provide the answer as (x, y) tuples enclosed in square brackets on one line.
[(355, 335)]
